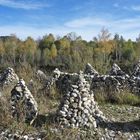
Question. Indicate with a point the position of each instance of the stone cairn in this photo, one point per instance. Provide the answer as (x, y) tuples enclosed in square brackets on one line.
[(52, 81), (78, 107), (8, 77), (102, 83), (105, 83), (47, 82), (134, 81), (115, 81), (89, 70), (120, 75), (136, 71), (24, 107)]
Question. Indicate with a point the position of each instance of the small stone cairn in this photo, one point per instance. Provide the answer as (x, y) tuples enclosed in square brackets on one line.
[(8, 77), (23, 105), (78, 107)]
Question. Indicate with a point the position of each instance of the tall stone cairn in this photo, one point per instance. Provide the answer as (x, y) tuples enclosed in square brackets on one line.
[(8, 77), (78, 107), (23, 105)]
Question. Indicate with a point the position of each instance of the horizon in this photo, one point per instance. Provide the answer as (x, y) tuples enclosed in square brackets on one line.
[(86, 18)]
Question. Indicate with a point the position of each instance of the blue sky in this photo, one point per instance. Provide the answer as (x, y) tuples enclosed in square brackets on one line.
[(85, 17)]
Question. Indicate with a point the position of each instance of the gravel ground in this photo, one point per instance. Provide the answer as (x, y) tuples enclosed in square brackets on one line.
[(124, 124)]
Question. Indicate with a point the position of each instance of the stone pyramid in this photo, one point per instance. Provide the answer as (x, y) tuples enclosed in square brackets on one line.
[(78, 107)]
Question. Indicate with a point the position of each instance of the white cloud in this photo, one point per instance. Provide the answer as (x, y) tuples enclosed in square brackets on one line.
[(24, 31), (89, 27), (129, 28), (84, 22), (26, 5), (128, 23)]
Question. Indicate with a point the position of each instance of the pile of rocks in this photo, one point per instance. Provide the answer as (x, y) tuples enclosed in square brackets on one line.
[(101, 83), (105, 83), (89, 70), (52, 81), (134, 80), (78, 107), (136, 71), (116, 71), (8, 77), (120, 75), (9, 135), (24, 106), (115, 81)]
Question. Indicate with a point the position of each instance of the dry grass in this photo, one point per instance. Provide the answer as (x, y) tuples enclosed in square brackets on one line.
[(124, 97)]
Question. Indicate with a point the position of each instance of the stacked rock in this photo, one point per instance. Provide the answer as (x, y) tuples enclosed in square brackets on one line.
[(134, 85), (51, 81), (105, 83), (116, 71), (90, 73), (120, 75), (8, 77), (78, 107), (136, 71), (134, 80), (89, 70), (24, 107)]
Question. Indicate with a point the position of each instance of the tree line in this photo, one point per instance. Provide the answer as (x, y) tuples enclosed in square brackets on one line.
[(70, 52)]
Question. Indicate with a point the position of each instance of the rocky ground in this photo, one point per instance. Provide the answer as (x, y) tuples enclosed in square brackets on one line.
[(124, 124)]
